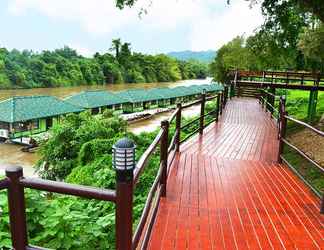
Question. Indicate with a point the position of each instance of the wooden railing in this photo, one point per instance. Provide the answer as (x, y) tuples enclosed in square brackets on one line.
[(169, 147), (283, 119), (268, 102), (284, 80), (15, 183), (316, 77)]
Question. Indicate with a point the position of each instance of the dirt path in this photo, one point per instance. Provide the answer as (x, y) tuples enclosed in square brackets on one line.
[(310, 143)]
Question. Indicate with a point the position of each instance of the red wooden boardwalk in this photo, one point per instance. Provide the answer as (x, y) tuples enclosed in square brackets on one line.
[(225, 191)]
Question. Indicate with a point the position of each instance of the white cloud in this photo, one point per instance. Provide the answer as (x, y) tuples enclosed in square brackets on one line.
[(95, 16), (215, 30), (209, 23), (82, 50)]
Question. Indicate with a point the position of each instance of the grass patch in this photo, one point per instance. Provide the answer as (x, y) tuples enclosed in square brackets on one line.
[(306, 169), (297, 107)]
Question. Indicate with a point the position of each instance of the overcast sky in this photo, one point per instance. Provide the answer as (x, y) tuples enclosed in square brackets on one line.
[(90, 25)]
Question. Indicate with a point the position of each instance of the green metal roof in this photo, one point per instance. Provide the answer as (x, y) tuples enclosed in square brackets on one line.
[(24, 108), (138, 95), (141, 95), (184, 91), (208, 87), (95, 99), (161, 93)]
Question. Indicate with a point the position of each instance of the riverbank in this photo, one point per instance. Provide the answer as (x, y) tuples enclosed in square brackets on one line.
[(64, 92), (11, 154)]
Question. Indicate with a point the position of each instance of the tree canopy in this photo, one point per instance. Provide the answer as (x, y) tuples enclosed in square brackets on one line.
[(290, 39), (313, 6), (65, 67)]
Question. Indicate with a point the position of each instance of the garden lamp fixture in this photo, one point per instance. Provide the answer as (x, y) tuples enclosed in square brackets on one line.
[(124, 158)]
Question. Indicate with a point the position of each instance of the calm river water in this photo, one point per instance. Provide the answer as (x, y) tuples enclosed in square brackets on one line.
[(11, 154)]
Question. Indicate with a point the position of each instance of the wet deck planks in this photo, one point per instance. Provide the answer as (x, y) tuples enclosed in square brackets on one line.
[(225, 191)]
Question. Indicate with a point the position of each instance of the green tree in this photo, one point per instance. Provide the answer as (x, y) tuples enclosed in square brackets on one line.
[(311, 43), (116, 44), (233, 55)]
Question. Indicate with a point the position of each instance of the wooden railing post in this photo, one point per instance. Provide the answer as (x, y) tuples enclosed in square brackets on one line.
[(178, 127), (164, 156), (226, 94), (17, 214), (272, 99), (221, 103), (217, 107), (124, 210), (282, 126), (202, 113)]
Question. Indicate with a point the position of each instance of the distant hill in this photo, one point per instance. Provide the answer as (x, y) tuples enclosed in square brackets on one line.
[(203, 56)]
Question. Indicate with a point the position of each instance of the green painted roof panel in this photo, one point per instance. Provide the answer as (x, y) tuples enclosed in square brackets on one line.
[(33, 107), (95, 99), (138, 95), (24, 108)]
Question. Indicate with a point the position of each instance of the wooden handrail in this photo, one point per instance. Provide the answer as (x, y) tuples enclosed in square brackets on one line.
[(190, 123), (316, 192), (282, 140), (172, 143), (35, 248), (269, 93), (146, 237), (69, 189), (146, 210), (211, 98), (210, 113), (303, 154), (262, 84), (319, 132), (4, 184), (173, 116), (191, 104), (268, 74), (145, 156)]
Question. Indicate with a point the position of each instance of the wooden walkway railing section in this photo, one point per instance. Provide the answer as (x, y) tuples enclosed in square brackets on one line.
[(15, 183), (284, 141), (249, 83), (280, 79), (280, 114)]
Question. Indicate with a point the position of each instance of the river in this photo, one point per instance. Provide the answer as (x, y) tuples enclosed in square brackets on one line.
[(11, 154)]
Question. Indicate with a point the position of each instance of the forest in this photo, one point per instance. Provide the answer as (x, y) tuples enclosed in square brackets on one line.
[(65, 67), (291, 38)]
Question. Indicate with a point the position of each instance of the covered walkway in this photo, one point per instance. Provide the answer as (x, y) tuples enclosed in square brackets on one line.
[(226, 191)]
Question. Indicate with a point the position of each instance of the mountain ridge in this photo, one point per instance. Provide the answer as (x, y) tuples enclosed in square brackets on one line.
[(204, 56)]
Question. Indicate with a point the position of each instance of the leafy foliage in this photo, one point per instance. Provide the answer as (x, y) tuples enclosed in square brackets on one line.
[(290, 39), (311, 43), (64, 67), (79, 152), (231, 56)]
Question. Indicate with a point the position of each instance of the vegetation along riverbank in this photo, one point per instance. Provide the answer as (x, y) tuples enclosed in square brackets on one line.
[(79, 151), (26, 116), (65, 67)]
